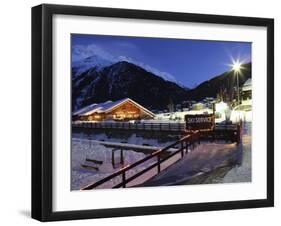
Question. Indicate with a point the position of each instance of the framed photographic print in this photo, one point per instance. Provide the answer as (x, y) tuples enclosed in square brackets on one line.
[(146, 112)]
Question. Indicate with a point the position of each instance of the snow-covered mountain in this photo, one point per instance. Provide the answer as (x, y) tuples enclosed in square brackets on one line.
[(98, 62), (93, 61), (122, 80), (166, 76)]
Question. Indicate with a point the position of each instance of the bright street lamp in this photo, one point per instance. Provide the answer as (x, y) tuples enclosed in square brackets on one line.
[(236, 67)]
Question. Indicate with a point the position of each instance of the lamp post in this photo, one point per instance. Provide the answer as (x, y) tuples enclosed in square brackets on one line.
[(236, 67)]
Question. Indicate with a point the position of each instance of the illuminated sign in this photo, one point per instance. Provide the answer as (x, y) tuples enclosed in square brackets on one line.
[(200, 122)]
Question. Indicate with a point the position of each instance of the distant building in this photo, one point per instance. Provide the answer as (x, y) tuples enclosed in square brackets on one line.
[(124, 109), (209, 101), (247, 92), (187, 103), (198, 106)]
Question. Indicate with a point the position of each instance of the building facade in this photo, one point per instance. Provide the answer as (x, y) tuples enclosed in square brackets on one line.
[(247, 92), (121, 110)]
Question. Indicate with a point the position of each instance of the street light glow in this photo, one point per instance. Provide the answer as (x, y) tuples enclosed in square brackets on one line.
[(236, 66)]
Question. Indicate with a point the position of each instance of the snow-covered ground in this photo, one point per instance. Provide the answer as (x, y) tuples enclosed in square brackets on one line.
[(128, 137), (87, 149), (242, 172), (201, 165), (84, 146), (204, 159)]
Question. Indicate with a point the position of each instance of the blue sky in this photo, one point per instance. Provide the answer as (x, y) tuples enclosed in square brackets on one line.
[(190, 62)]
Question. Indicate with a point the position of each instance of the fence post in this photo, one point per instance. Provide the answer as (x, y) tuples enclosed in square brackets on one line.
[(158, 165), (123, 179), (182, 151), (122, 157), (112, 158)]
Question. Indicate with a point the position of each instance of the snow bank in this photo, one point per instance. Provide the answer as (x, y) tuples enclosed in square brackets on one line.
[(87, 149), (84, 146)]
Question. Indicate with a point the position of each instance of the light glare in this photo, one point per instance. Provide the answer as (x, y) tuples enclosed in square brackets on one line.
[(236, 66)]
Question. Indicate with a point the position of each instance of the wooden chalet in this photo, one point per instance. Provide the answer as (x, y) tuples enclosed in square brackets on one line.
[(120, 110)]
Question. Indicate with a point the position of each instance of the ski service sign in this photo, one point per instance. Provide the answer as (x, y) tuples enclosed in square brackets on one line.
[(200, 122)]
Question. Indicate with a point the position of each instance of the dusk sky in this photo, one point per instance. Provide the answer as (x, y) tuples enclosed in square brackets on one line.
[(190, 62)]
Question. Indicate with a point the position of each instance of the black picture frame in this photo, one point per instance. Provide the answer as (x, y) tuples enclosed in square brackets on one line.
[(42, 107)]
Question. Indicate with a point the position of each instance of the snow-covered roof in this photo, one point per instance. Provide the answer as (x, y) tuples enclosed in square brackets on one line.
[(198, 106), (247, 85), (84, 109), (106, 107)]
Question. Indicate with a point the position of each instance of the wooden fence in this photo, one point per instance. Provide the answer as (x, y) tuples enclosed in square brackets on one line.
[(150, 126), (181, 145), (229, 132)]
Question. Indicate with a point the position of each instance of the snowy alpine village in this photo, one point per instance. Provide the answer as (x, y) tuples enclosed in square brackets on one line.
[(136, 126)]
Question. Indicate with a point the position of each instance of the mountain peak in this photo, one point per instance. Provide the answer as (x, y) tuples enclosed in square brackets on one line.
[(93, 61), (98, 62), (125, 80)]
